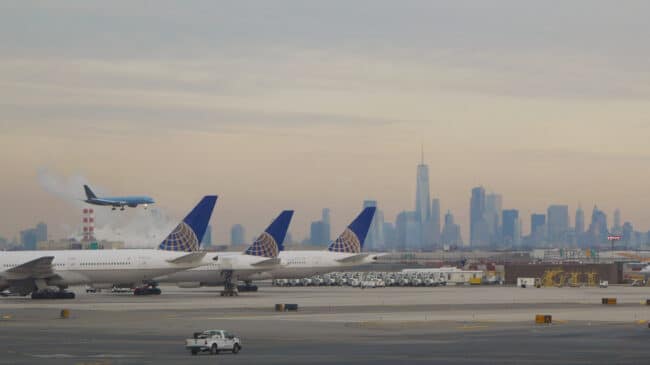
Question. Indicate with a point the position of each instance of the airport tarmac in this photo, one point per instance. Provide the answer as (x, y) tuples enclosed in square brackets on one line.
[(447, 325)]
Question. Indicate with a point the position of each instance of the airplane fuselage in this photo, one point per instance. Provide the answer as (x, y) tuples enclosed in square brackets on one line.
[(97, 267), (293, 264)]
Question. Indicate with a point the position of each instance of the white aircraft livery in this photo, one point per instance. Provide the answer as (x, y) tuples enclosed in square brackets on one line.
[(344, 252), (262, 255), (36, 272)]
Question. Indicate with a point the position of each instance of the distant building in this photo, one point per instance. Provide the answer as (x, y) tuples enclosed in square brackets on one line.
[(617, 228), (390, 236), (510, 230), (435, 221), (423, 207), (537, 228), (557, 223), (237, 235), (580, 226), (408, 226), (41, 232), (451, 232), (492, 217), (598, 230), (479, 233), (29, 238), (319, 233)]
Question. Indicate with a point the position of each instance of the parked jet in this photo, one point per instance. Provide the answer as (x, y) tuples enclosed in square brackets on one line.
[(344, 252), (37, 272), (261, 256), (117, 201)]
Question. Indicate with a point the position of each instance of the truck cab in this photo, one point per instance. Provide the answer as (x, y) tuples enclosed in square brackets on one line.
[(213, 341)]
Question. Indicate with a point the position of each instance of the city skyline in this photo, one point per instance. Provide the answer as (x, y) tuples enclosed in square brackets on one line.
[(558, 229)]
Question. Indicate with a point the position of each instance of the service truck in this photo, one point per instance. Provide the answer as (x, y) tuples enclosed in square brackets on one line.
[(213, 341)]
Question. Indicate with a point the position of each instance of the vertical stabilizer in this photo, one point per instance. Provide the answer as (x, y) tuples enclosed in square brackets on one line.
[(189, 233), (354, 236), (270, 242)]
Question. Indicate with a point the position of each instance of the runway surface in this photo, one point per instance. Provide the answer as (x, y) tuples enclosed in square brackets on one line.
[(453, 325)]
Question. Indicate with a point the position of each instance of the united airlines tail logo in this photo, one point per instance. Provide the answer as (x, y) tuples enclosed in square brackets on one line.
[(264, 246), (347, 242), (182, 238)]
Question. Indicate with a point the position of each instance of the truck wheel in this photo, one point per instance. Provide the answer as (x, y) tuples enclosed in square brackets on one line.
[(213, 349), (235, 349)]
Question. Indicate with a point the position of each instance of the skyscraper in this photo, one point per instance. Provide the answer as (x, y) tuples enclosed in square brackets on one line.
[(451, 231), (422, 199), (580, 221), (41, 232), (537, 228), (492, 217), (435, 220), (319, 233), (598, 230), (558, 223), (478, 229), (580, 226), (617, 228), (423, 206), (408, 226), (510, 226), (237, 235)]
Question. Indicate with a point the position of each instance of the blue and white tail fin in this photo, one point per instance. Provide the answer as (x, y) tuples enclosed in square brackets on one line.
[(270, 242), (189, 233), (352, 239)]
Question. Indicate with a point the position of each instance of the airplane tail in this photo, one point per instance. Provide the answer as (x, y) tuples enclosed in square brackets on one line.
[(270, 242), (352, 239), (89, 193), (188, 234)]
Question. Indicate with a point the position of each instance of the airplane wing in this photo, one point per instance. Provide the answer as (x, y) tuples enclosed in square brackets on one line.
[(36, 269), (353, 258), (268, 262), (191, 257)]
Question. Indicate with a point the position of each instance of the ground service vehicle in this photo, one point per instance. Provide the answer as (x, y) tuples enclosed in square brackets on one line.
[(213, 341)]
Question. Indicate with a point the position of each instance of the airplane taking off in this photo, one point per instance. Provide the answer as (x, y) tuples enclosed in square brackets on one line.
[(35, 272), (262, 255), (117, 201)]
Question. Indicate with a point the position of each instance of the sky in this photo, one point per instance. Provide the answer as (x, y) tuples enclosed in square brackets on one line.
[(305, 105)]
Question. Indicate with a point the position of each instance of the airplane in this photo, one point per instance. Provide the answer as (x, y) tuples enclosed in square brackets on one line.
[(117, 201), (342, 253), (262, 255), (37, 272)]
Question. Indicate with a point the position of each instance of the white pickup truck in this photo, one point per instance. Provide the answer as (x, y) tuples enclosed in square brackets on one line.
[(213, 341)]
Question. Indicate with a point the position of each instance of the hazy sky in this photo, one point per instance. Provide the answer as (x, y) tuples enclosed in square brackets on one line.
[(304, 105)]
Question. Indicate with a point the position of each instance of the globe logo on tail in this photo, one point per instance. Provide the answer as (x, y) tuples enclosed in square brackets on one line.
[(182, 238), (347, 242), (264, 246)]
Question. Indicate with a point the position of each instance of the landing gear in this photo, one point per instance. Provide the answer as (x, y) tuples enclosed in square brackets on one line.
[(229, 289), (148, 289), (122, 208), (247, 287), (52, 294), (113, 208)]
